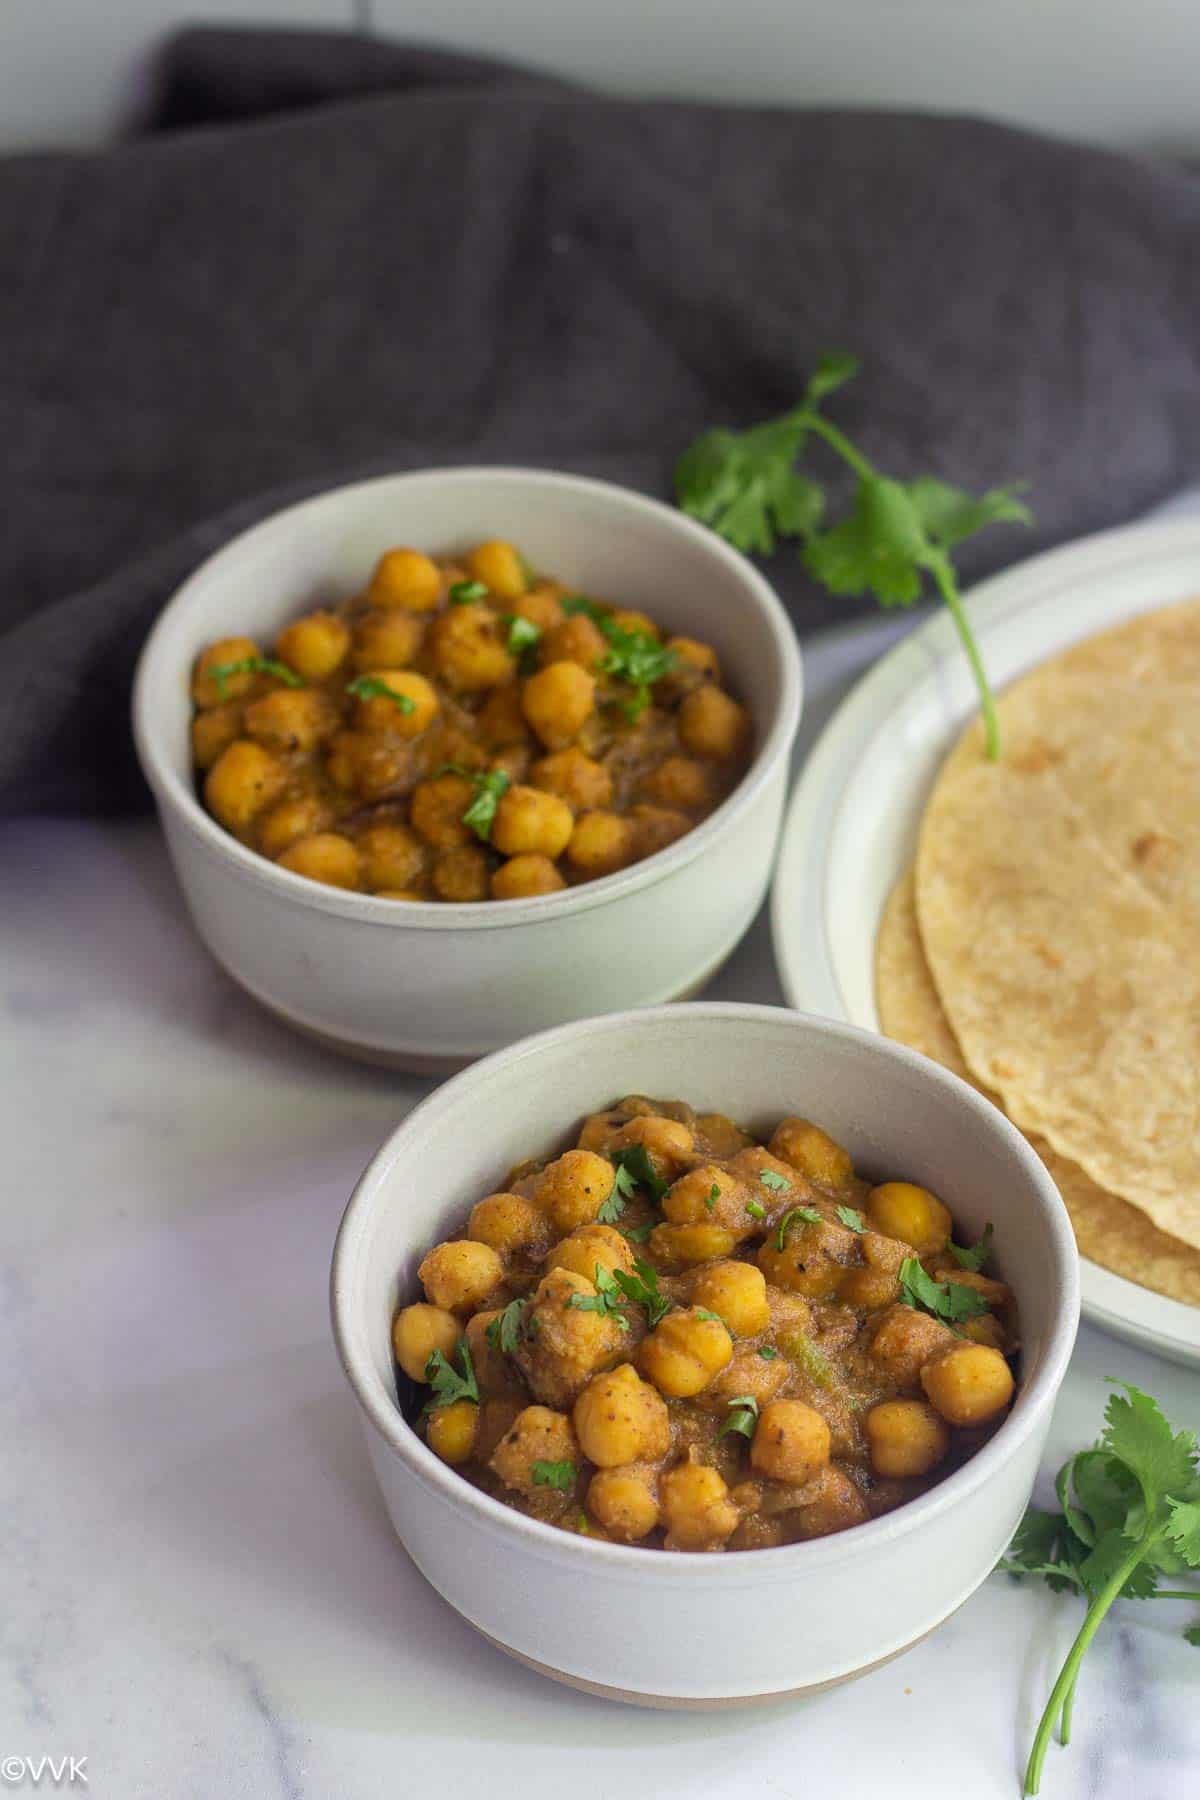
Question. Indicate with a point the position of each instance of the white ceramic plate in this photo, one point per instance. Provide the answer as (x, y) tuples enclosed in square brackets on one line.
[(852, 823)]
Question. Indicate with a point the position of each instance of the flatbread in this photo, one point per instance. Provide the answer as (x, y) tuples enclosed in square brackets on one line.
[(1109, 1230), (1058, 899)]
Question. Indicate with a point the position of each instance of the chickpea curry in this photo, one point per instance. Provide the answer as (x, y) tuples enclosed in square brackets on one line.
[(464, 731), (675, 1336)]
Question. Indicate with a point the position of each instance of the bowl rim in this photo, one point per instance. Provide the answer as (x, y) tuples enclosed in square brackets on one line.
[(173, 793), (1036, 1394)]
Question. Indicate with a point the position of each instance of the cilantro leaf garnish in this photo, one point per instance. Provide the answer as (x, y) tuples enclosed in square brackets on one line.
[(805, 1215), (641, 1289), (702, 1312), (768, 1352), (579, 603), (251, 665), (370, 687), (851, 1218), (559, 1475), (756, 1209), (745, 485), (743, 1416), (505, 1329), (711, 1198), (612, 1208), (778, 1184), (1131, 1511), (447, 1382), (637, 1234), (490, 786), (637, 659), (607, 1300), (464, 593), (973, 1256), (523, 639), (634, 1169), (948, 1300)]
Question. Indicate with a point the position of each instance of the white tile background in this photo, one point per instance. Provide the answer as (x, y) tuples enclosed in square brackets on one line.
[(1117, 71)]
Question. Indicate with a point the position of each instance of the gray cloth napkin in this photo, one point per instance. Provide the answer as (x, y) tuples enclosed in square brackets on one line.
[(325, 257)]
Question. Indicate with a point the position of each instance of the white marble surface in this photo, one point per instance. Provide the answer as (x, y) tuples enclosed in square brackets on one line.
[(201, 1593)]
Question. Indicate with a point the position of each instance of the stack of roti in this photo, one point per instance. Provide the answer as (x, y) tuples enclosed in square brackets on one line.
[(1046, 944)]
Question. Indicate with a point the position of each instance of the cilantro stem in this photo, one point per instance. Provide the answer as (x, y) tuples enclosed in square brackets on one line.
[(1063, 1692), (948, 589), (817, 423)]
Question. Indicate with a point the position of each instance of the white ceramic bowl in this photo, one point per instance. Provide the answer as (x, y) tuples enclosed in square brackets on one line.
[(426, 985), (687, 1629)]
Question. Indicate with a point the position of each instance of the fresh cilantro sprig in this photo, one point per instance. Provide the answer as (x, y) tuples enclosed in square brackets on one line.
[(746, 486), (637, 1234), (608, 1299), (756, 1209), (505, 1329), (949, 1300), (523, 639), (638, 660), (558, 1475), (370, 687), (742, 1417), (770, 1178), (219, 673), (851, 1218), (803, 1215), (489, 788), (1130, 1513), (641, 1289), (973, 1256), (448, 1383), (466, 593), (635, 1169)]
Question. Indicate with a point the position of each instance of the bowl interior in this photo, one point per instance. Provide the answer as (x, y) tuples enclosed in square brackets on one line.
[(602, 540), (895, 1112)]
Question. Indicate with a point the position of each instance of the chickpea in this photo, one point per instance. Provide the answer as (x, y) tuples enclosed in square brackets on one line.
[(710, 1195), (807, 1148), (557, 701), (667, 1142), (747, 1374), (537, 1435), (628, 618), (459, 1275), (524, 876), (509, 1223), (619, 1418), (655, 827), (386, 640), (736, 1291), (542, 606), (573, 1188), (968, 1383), (590, 1247), (292, 719), (531, 822), (243, 782), (374, 765), (577, 640), (437, 809), (684, 1352), (869, 1288), (205, 690), (685, 1245), (392, 856), (498, 565), (985, 1329), (622, 1503), (698, 656), (493, 1372), (326, 857), (803, 1266), (417, 1331), (831, 1503), (213, 731), (301, 817), (406, 579), (696, 1507), (902, 1341), (451, 1431), (315, 645), (501, 719), (576, 778), (791, 1442), (563, 1344), (712, 725), (602, 843), (905, 1437), (899, 1209), (413, 710), (461, 875), (678, 782), (469, 650)]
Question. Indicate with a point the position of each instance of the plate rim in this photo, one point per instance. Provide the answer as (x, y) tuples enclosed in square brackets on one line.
[(811, 821)]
